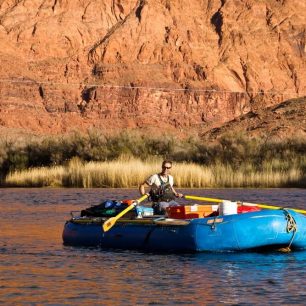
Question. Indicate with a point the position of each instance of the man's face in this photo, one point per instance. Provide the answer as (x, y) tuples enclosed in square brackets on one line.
[(166, 168)]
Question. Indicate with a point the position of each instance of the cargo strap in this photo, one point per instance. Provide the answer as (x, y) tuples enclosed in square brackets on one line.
[(170, 222)]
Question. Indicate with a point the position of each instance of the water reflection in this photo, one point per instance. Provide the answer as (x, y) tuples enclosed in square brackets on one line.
[(35, 267)]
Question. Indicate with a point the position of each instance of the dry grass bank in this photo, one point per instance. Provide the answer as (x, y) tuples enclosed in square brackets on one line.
[(232, 161), (123, 173)]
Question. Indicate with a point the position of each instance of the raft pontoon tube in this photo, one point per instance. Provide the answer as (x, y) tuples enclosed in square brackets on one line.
[(269, 229)]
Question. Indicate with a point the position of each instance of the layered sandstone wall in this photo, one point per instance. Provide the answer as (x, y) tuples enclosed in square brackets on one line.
[(176, 65)]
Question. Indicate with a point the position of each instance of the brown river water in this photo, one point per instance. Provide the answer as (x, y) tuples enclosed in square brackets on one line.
[(37, 269)]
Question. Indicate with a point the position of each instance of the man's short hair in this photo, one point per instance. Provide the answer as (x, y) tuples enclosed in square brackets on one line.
[(166, 162)]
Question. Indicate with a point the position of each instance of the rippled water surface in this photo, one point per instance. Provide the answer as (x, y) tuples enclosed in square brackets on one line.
[(36, 269)]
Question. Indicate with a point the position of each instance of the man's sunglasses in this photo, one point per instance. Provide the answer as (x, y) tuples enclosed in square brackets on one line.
[(166, 167)]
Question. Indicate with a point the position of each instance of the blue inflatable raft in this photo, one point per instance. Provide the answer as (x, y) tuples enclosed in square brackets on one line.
[(268, 229)]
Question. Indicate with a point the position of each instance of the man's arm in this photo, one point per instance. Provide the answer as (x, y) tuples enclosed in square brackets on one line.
[(142, 189), (177, 194)]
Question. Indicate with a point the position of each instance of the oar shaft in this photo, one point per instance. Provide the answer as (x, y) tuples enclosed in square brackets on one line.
[(188, 197), (130, 207), (272, 207), (260, 205)]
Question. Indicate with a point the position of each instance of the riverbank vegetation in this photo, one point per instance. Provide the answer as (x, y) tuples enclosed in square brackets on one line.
[(94, 160)]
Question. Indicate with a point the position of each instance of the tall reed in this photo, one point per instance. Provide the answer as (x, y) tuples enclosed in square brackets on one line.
[(130, 172), (36, 177)]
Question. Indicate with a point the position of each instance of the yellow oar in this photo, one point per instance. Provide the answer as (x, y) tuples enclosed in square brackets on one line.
[(189, 197), (242, 203), (272, 207), (108, 224)]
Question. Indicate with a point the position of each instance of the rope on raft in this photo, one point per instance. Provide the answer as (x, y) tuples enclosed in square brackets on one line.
[(291, 227)]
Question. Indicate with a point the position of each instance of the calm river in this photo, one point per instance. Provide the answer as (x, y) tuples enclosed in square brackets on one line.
[(36, 269)]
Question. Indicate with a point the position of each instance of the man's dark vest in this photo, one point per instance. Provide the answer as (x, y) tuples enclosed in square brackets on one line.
[(163, 193)]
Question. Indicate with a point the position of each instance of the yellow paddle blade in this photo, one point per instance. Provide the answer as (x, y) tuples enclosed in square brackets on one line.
[(108, 224)]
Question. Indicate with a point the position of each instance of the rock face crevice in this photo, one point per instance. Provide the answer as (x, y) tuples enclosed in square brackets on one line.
[(139, 9), (173, 65), (217, 21)]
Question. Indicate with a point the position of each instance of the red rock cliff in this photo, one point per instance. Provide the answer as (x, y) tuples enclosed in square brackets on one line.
[(179, 65)]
